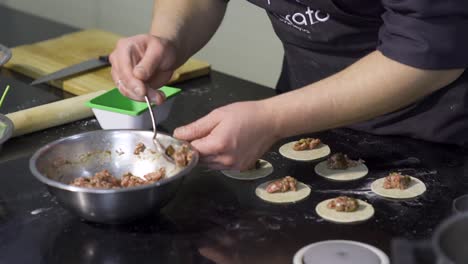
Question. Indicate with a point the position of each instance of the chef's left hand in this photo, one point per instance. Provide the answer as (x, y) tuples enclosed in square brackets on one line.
[(233, 136)]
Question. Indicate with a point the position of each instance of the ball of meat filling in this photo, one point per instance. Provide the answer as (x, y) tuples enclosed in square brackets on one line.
[(343, 204)]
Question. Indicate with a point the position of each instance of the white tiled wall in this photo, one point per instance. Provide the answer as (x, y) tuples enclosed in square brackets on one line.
[(245, 45)]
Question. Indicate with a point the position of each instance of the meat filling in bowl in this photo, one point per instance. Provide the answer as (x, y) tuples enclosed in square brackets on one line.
[(181, 156), (140, 147), (105, 180), (100, 180)]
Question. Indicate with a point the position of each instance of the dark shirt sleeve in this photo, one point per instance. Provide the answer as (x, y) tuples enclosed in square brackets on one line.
[(425, 34)]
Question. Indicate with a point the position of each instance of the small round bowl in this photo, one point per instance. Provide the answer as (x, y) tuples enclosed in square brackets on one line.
[(60, 162), (450, 240), (5, 55), (460, 204)]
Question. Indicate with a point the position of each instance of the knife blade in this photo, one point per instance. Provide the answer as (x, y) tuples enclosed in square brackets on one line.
[(81, 67)]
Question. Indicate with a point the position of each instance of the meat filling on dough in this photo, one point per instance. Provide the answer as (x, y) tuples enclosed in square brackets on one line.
[(397, 180), (340, 161), (258, 165), (306, 144), (285, 184), (343, 204)]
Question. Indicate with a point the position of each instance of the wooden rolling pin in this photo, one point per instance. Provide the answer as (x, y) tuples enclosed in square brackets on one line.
[(52, 114)]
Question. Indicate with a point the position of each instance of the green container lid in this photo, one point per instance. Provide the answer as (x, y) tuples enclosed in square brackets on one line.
[(114, 101)]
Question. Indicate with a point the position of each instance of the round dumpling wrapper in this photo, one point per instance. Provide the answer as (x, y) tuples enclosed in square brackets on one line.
[(415, 188), (363, 213), (302, 192), (349, 174), (265, 169)]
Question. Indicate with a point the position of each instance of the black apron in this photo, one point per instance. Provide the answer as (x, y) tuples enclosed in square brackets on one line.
[(322, 37)]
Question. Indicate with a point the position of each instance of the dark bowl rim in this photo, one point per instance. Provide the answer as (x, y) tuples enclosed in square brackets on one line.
[(8, 131), (440, 230), (63, 186), (455, 201)]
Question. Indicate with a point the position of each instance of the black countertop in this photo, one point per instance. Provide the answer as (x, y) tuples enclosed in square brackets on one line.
[(213, 219)]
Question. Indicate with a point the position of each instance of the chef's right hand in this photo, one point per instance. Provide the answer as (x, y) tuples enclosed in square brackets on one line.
[(141, 64)]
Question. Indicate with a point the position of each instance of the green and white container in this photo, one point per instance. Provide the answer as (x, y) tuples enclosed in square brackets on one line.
[(115, 111)]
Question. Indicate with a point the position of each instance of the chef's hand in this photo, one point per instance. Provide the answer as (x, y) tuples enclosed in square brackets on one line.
[(141, 64), (233, 136)]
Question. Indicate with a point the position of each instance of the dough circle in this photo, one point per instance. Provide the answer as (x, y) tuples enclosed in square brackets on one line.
[(303, 191), (416, 188), (321, 151), (349, 174), (364, 212), (265, 170)]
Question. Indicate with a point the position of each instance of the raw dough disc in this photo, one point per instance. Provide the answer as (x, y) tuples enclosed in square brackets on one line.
[(364, 212), (416, 188), (303, 191), (304, 155), (265, 170), (349, 174)]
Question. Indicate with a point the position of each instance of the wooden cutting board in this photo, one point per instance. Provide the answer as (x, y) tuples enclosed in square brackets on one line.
[(51, 55)]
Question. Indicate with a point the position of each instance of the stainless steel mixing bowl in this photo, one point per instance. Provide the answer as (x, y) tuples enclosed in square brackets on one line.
[(61, 161)]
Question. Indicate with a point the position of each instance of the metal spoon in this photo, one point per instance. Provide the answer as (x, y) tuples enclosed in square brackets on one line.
[(159, 147)]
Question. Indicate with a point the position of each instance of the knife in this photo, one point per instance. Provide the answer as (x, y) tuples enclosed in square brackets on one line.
[(81, 67)]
